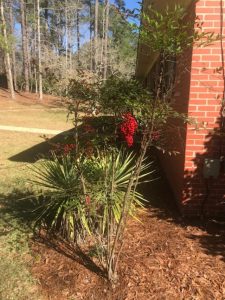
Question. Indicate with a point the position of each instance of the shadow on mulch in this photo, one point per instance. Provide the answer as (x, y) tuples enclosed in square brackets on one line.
[(75, 253), (164, 207)]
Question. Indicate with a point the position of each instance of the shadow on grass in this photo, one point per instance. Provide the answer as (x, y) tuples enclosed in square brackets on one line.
[(41, 150), (19, 211), (18, 206), (102, 126)]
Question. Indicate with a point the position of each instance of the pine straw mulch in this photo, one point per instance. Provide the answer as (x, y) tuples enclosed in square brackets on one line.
[(163, 258)]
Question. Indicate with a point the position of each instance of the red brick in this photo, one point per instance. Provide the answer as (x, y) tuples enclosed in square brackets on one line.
[(208, 10), (216, 51), (206, 96), (198, 64), (190, 153), (205, 85), (189, 165), (200, 77), (211, 58), (207, 108), (198, 101), (202, 51), (194, 136), (211, 17), (198, 89), (213, 114), (196, 148), (215, 64), (208, 24), (197, 114), (193, 96)]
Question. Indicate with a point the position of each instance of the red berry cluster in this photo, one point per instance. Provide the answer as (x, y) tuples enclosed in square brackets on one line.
[(155, 136), (63, 149), (68, 148), (128, 128), (87, 200)]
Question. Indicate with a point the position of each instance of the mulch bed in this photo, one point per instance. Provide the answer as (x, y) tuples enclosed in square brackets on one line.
[(163, 258)]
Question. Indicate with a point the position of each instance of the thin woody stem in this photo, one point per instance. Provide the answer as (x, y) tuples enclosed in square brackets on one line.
[(134, 179)]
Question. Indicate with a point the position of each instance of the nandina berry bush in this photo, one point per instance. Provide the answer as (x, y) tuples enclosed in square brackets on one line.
[(92, 187), (92, 178), (128, 128)]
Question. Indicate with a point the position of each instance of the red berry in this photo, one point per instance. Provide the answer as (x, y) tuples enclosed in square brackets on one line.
[(128, 128)]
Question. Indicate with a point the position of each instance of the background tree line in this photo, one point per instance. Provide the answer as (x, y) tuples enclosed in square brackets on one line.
[(44, 43)]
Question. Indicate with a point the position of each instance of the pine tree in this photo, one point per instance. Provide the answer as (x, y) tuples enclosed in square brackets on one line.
[(39, 51), (24, 45), (5, 47)]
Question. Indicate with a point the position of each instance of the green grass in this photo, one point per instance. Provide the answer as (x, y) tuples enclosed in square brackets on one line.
[(14, 174), (36, 117), (16, 206), (16, 281)]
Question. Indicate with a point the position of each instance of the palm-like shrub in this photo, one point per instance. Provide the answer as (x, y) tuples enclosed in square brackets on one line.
[(112, 173), (79, 194), (63, 208)]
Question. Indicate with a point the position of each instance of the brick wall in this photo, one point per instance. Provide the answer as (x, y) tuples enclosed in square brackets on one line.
[(199, 93), (173, 166), (205, 101)]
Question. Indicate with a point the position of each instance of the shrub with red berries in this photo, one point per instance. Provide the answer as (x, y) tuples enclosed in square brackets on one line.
[(68, 148), (64, 149), (128, 128), (155, 136)]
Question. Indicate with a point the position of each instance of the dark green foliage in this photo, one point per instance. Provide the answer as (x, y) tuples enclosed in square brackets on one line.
[(63, 207), (81, 90), (170, 33), (118, 95)]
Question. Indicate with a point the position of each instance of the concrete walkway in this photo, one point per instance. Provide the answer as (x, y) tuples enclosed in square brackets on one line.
[(31, 130)]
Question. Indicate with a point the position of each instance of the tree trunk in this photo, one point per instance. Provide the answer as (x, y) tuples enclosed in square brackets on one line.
[(39, 51), (91, 43), (13, 54), (35, 59), (70, 47), (6, 53), (102, 41), (28, 52), (24, 45), (106, 39), (78, 33), (46, 22), (66, 35), (96, 37)]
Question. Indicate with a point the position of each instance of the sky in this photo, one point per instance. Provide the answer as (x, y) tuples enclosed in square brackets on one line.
[(131, 4)]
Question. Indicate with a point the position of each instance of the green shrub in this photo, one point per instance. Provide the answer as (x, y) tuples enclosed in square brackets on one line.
[(121, 94), (78, 193)]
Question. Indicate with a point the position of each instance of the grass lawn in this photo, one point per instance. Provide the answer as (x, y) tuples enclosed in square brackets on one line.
[(16, 281), (15, 174), (33, 115)]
